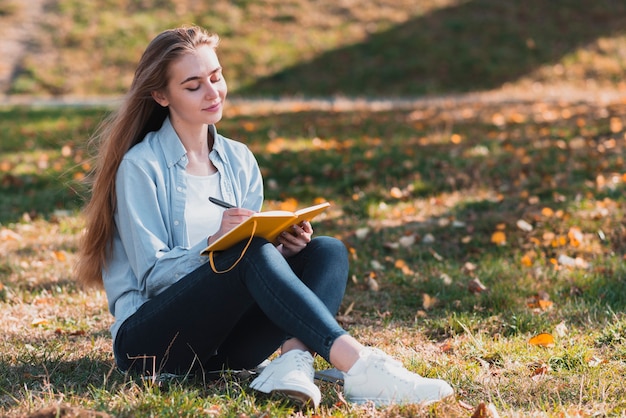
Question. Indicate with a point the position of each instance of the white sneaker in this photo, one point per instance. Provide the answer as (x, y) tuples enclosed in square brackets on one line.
[(292, 375), (379, 378)]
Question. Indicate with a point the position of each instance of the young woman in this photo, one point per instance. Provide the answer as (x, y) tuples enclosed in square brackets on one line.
[(149, 217)]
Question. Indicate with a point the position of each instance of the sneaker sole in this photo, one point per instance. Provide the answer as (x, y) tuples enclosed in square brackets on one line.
[(298, 398), (387, 402)]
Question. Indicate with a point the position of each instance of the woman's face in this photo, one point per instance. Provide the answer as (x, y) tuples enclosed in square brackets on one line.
[(196, 88)]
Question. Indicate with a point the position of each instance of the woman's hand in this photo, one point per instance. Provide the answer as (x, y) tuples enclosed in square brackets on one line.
[(230, 219), (292, 241)]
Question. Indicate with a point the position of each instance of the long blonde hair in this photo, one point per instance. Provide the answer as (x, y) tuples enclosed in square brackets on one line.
[(125, 127)]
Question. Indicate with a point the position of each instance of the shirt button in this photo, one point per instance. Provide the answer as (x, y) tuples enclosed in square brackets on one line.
[(180, 189), (176, 222)]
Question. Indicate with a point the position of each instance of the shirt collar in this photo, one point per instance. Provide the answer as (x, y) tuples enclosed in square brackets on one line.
[(173, 148)]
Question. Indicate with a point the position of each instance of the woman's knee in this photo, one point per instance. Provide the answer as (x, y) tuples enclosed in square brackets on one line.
[(330, 246)]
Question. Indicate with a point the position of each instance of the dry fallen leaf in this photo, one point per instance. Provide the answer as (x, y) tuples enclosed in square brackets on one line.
[(396, 193), (540, 302), (561, 329), (402, 265), (524, 226), (59, 255), (407, 241), (485, 411), (39, 321), (595, 361), (540, 372), (8, 235), (475, 286), (572, 262), (428, 302), (362, 233), (372, 284)]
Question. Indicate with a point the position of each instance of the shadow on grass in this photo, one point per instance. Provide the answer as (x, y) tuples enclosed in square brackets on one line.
[(51, 373), (479, 44)]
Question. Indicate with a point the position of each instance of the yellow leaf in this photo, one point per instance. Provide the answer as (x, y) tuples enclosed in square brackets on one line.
[(547, 212), (542, 340), (498, 238), (527, 261)]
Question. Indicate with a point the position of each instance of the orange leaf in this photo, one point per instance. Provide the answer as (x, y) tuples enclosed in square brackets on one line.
[(428, 302), (400, 263), (498, 238), (542, 340), (615, 124), (575, 236), (59, 255), (547, 212), (541, 304)]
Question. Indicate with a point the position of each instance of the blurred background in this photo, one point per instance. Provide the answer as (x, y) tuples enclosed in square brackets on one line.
[(324, 48)]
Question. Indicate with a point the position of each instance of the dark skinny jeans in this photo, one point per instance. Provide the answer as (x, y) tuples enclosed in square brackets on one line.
[(235, 320)]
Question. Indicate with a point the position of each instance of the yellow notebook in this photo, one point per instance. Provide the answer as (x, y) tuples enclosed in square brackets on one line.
[(267, 224)]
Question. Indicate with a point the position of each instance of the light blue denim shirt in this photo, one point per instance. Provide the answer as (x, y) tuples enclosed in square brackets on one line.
[(151, 248)]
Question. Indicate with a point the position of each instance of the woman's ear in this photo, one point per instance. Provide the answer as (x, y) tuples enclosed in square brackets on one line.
[(160, 98)]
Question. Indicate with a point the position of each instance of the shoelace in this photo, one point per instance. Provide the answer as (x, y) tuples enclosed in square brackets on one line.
[(394, 368), (303, 363)]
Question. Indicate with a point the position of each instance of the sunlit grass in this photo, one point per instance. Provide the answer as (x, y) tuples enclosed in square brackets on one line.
[(419, 207)]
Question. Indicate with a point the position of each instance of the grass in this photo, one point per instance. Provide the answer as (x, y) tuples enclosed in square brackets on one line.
[(370, 48), (417, 201)]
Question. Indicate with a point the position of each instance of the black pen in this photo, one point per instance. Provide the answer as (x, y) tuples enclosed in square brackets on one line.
[(221, 203)]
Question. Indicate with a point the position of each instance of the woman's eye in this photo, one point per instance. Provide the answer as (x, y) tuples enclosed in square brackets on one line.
[(216, 77), (193, 88)]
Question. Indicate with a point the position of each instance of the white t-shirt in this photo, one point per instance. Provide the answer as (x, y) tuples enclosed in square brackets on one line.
[(202, 217)]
